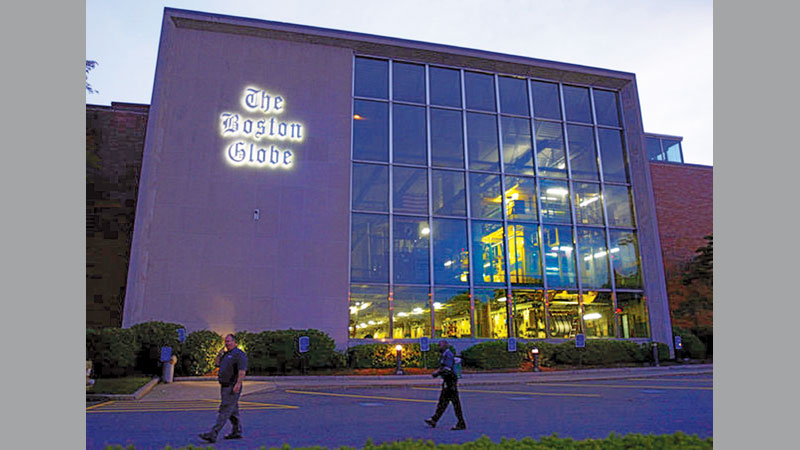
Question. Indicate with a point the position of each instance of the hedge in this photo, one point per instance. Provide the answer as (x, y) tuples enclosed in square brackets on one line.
[(151, 337), (112, 351), (693, 347), (198, 352), (277, 351), (379, 356), (612, 442)]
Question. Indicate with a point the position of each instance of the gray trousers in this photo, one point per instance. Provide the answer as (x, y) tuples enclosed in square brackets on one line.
[(228, 410)]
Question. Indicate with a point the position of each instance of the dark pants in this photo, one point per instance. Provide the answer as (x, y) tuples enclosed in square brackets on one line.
[(228, 410), (448, 395)]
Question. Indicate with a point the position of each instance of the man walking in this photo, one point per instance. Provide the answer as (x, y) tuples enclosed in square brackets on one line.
[(232, 363), (449, 388)]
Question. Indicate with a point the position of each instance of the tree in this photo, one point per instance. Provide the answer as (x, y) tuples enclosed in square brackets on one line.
[(89, 66), (698, 281)]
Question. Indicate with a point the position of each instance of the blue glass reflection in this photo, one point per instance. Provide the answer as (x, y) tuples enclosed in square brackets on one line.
[(488, 253), (559, 261), (450, 252), (517, 146), (484, 153), (411, 237), (612, 155), (372, 78), (546, 103), (513, 96), (410, 190), (484, 191), (371, 131), (369, 258), (480, 91), (576, 104), (408, 82), (448, 193), (370, 187), (409, 138), (447, 138), (605, 107), (582, 155), (445, 87)]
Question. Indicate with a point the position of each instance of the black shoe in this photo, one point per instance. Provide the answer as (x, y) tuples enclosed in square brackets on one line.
[(459, 426), (208, 437), (234, 435), (431, 423)]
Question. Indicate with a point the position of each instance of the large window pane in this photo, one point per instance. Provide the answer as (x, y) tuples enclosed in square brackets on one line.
[(371, 131), (491, 313), (521, 198), (445, 87), (513, 96), (594, 258), (588, 204), (654, 149), (372, 78), (555, 201), (633, 316), (524, 266), (450, 252), (619, 205), (550, 149), (452, 313), (625, 258), (576, 104), (447, 138), (411, 312), (546, 103), (613, 156), (408, 82), (369, 259), (488, 253), (409, 140), (606, 109), (480, 91), (529, 314), (672, 150), (485, 201), (517, 147), (598, 315), (559, 257), (410, 191), (411, 237), (369, 312), (582, 155), (482, 142), (370, 187), (448, 192), (564, 314)]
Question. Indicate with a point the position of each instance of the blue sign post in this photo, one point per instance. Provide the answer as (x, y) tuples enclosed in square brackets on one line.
[(166, 354), (303, 344), (181, 334), (424, 344), (580, 341), (512, 344), (678, 343)]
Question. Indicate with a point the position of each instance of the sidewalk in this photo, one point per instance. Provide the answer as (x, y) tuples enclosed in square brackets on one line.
[(189, 388)]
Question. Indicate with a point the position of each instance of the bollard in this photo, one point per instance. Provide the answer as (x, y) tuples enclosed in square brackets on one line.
[(535, 355), (168, 369), (399, 349), (655, 354)]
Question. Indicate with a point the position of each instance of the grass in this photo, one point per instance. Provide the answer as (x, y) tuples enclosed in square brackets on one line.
[(125, 385)]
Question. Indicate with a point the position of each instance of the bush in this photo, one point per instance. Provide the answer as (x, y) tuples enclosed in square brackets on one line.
[(277, 351), (198, 352), (378, 356), (546, 351), (112, 351), (597, 352), (693, 347), (151, 336), (493, 355)]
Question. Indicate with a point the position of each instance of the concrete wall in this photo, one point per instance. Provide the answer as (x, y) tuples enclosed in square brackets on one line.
[(199, 258)]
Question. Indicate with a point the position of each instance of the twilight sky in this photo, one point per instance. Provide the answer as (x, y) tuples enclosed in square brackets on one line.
[(667, 44)]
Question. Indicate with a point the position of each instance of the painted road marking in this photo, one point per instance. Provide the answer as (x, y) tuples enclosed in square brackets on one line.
[(623, 386), (361, 396), (550, 394), (700, 380), (178, 406)]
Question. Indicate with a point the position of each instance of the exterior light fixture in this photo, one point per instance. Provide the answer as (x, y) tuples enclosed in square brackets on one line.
[(357, 117), (399, 349), (535, 357)]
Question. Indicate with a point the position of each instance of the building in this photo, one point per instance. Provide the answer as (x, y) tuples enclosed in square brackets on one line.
[(379, 188)]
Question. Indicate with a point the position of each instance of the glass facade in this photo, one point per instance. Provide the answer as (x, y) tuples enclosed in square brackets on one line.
[(664, 149), (488, 206)]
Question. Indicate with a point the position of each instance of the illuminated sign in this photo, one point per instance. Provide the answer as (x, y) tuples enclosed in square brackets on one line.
[(251, 131)]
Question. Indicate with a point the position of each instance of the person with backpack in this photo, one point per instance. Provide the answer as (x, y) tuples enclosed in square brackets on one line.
[(449, 392)]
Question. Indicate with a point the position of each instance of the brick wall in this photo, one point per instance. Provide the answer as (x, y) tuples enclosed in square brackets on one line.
[(684, 197), (114, 144)]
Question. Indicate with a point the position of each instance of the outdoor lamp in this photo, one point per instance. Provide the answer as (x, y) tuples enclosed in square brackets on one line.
[(535, 354), (399, 349)]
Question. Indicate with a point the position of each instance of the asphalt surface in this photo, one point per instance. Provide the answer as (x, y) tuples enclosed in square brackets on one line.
[(325, 416)]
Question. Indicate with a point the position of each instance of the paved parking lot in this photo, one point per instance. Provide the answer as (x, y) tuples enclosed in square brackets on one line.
[(335, 417)]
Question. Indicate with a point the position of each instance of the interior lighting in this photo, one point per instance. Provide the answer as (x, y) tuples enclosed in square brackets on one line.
[(398, 347), (448, 263), (357, 117), (502, 299), (513, 196), (588, 201), (363, 325), (417, 311), (402, 314), (437, 305), (562, 166), (557, 191), (551, 254), (592, 316), (425, 231), (487, 265), (371, 322), (614, 250)]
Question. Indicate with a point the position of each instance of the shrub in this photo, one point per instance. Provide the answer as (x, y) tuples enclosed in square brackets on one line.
[(112, 351), (493, 355), (198, 352), (151, 336), (693, 347), (546, 351), (277, 351), (377, 356)]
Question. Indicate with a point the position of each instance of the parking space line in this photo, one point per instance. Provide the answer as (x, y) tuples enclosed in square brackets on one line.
[(360, 396), (178, 406), (550, 394), (707, 380), (623, 386), (100, 404)]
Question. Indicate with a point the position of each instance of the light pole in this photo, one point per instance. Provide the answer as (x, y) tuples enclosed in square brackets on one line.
[(399, 349), (535, 354)]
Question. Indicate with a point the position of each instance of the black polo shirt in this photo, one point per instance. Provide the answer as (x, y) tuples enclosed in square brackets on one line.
[(232, 362)]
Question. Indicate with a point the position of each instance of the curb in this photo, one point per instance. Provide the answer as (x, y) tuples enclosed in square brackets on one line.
[(125, 397)]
